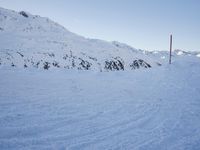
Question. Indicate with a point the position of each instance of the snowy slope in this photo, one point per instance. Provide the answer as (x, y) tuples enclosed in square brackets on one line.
[(34, 41), (154, 109)]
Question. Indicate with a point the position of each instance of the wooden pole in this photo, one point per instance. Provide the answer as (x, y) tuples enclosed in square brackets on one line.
[(170, 53)]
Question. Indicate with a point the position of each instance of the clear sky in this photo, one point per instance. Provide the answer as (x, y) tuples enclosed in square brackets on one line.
[(144, 24)]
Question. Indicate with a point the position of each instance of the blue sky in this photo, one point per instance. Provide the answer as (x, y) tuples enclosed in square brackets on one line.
[(144, 24)]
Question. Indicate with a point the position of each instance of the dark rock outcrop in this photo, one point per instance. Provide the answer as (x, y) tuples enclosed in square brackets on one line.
[(46, 65), (139, 63), (115, 64), (84, 65), (23, 13)]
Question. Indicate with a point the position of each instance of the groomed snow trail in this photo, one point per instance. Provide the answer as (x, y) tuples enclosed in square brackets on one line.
[(145, 109)]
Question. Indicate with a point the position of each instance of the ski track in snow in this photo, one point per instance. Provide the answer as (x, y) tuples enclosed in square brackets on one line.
[(145, 109)]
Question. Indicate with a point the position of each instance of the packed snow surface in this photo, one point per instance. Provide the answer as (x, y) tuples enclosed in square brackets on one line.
[(152, 109)]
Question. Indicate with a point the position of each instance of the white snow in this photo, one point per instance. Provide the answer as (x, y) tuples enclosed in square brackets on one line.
[(163, 57), (64, 109), (198, 55), (35, 37), (180, 53), (41, 40)]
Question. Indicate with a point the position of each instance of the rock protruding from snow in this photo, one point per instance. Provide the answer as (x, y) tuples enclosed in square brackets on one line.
[(23, 13), (139, 63), (114, 64)]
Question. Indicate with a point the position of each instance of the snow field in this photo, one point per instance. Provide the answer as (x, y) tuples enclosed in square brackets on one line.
[(144, 109)]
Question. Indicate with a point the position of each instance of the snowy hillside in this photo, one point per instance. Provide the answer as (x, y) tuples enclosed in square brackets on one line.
[(28, 41), (33, 41)]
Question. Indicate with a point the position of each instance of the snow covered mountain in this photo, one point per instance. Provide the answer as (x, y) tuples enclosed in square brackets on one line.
[(32, 41)]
